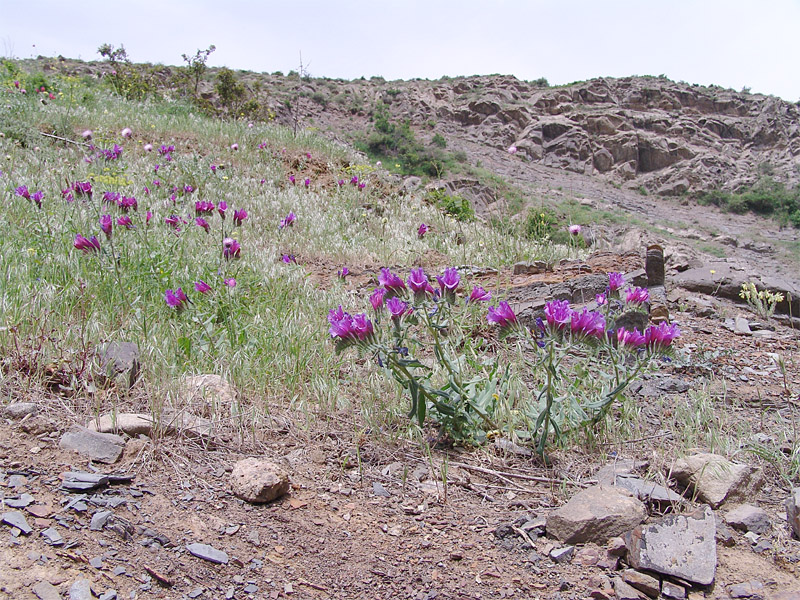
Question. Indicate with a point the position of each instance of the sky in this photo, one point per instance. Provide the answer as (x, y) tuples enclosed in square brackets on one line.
[(731, 43)]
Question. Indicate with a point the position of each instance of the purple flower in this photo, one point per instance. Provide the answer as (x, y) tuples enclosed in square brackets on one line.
[(393, 284), (37, 198), (340, 183), (203, 207), (558, 314), (111, 197), (291, 178), (82, 188), (231, 248), (88, 246), (289, 259), (307, 182), (187, 189), (234, 146), (202, 287), (166, 149), (659, 337), (503, 316), (230, 282), (147, 147), (637, 295), (288, 220), (126, 133), (308, 154), (201, 222), (631, 339), (23, 191), (588, 323), (354, 180), (176, 299), (600, 299), (239, 216), (512, 149), (479, 295), (128, 202), (146, 191), (343, 273), (125, 221), (423, 229), (147, 217), (105, 225), (173, 221), (448, 283), (87, 135), (361, 186), (574, 229), (348, 328), (156, 183), (615, 281), (418, 283), (213, 168), (376, 298), (221, 208), (397, 307)]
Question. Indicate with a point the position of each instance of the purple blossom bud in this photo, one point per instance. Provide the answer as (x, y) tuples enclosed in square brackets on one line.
[(479, 295), (600, 299), (574, 229), (288, 220), (88, 246), (23, 191), (448, 283), (376, 298), (558, 314), (202, 287), (588, 323), (630, 339), (397, 307), (37, 198), (343, 273), (637, 295), (105, 225), (503, 316), (615, 281), (393, 284), (659, 337), (221, 208), (176, 299), (201, 222), (239, 216), (234, 146), (230, 282), (126, 133), (423, 229), (231, 248), (125, 221)]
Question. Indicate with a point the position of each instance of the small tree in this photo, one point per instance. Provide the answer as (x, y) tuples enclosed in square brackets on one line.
[(196, 65)]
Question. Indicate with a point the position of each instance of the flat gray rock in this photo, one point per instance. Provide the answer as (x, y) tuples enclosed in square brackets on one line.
[(746, 517), (80, 590), (132, 424), (648, 491), (16, 519), (716, 480), (18, 410), (752, 589), (679, 545), (46, 591), (596, 514), (99, 520), (793, 511), (102, 447), (208, 553), (52, 537), (21, 502), (79, 481)]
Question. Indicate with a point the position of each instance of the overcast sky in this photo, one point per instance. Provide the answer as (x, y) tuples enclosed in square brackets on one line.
[(732, 43)]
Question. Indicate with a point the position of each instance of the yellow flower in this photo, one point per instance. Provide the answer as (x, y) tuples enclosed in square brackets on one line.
[(713, 271)]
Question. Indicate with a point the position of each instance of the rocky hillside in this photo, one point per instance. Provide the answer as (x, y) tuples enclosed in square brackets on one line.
[(638, 131), (646, 133)]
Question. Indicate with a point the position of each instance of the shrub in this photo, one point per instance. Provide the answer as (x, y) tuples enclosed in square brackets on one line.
[(439, 141), (457, 207)]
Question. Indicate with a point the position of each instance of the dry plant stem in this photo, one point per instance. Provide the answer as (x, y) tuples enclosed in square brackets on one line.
[(55, 137), (503, 474), (641, 439)]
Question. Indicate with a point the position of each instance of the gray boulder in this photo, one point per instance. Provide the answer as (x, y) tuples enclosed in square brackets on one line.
[(716, 480), (102, 447)]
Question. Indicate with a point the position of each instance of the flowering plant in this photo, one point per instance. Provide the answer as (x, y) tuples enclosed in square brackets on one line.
[(420, 337)]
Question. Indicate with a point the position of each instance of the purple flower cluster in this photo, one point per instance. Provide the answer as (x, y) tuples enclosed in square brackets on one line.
[(637, 295), (448, 283), (112, 153), (203, 207), (349, 328), (176, 299), (89, 246), (393, 284), (287, 221), (502, 316), (660, 337), (418, 284), (231, 248)]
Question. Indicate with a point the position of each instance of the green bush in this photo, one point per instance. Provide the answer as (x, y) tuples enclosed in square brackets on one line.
[(767, 197), (457, 207), (439, 141)]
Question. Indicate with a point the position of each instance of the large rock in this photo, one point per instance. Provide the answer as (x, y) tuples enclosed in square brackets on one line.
[(596, 514), (119, 359), (749, 518), (19, 410), (132, 424), (715, 479), (207, 395), (679, 545), (793, 511), (102, 447), (258, 480)]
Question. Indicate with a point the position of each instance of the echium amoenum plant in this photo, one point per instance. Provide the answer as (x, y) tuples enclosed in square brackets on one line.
[(578, 361), (419, 336)]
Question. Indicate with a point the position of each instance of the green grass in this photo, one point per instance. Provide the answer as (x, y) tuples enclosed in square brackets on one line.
[(268, 335)]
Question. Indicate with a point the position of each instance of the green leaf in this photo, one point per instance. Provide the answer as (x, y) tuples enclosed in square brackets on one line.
[(185, 344)]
